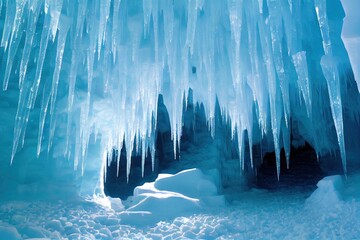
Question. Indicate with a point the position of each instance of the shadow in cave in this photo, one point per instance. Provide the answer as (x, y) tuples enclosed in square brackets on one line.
[(116, 183), (304, 170)]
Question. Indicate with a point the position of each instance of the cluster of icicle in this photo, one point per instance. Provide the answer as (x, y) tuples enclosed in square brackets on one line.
[(124, 53)]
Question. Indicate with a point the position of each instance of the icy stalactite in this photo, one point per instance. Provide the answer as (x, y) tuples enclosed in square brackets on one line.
[(109, 61), (300, 64), (43, 112), (9, 18), (104, 16), (276, 32), (15, 39), (331, 72), (191, 24), (329, 65), (49, 28), (115, 29), (33, 16), (320, 6), (64, 27), (21, 120)]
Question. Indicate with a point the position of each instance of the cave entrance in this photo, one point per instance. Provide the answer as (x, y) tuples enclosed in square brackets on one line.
[(304, 170), (116, 183)]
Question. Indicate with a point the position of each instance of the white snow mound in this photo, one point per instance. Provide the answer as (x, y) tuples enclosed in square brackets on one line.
[(328, 193), (172, 195)]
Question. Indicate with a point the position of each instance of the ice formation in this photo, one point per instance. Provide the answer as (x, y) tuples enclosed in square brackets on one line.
[(95, 69)]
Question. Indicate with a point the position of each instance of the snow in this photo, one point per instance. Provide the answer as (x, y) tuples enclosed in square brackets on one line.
[(328, 192), (9, 232), (193, 183), (255, 213), (167, 198)]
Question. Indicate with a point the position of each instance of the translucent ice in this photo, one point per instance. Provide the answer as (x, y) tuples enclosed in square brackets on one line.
[(329, 67), (93, 70)]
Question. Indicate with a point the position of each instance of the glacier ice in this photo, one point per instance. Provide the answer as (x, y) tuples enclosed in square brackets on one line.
[(350, 35), (93, 70)]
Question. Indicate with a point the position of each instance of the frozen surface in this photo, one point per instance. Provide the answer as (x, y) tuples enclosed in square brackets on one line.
[(351, 35), (81, 78), (253, 214)]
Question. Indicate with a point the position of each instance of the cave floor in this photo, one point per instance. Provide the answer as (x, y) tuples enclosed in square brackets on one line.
[(253, 214)]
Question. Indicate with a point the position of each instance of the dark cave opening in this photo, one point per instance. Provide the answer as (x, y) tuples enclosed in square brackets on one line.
[(304, 170)]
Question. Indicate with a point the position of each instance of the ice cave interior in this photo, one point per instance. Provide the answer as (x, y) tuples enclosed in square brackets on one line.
[(194, 101)]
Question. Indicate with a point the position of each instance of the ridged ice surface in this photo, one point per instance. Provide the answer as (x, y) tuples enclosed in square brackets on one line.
[(104, 63)]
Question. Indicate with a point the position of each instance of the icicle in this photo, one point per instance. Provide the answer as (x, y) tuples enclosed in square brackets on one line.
[(80, 18), (73, 70), (50, 22), (55, 13), (241, 147), (143, 151), (33, 16), (168, 24), (235, 17), (191, 24), (147, 9), (275, 99), (77, 148), (320, 6), (14, 44), (152, 148), (64, 27), (276, 37), (287, 144), (43, 112), (115, 28), (331, 74), (244, 56), (21, 119), (9, 18), (261, 4), (118, 162), (15, 38), (300, 63), (71, 94), (90, 64), (104, 16), (51, 131), (129, 142)]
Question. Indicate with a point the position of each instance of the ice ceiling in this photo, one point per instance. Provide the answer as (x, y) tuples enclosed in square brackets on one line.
[(95, 68)]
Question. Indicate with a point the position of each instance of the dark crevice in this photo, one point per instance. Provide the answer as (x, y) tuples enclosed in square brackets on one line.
[(304, 170)]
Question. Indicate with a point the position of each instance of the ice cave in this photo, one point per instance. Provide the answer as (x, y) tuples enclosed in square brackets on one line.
[(180, 119)]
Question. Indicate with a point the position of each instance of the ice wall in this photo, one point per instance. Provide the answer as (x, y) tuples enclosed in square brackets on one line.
[(351, 35), (90, 72)]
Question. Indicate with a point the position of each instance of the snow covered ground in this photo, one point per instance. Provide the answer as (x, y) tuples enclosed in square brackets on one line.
[(253, 214)]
